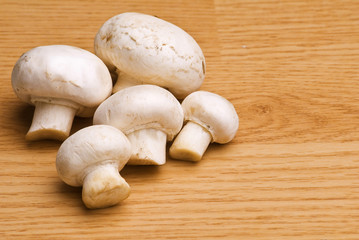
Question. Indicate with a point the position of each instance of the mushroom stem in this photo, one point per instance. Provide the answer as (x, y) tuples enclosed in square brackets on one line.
[(52, 121), (124, 81), (104, 187), (191, 143), (148, 147)]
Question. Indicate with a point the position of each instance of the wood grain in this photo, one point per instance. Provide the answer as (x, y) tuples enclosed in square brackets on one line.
[(291, 69)]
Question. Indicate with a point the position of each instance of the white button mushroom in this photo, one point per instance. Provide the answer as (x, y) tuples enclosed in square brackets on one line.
[(149, 115), (61, 81), (209, 118), (92, 158), (144, 49)]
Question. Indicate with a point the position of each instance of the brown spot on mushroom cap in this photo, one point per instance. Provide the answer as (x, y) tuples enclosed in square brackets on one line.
[(109, 37)]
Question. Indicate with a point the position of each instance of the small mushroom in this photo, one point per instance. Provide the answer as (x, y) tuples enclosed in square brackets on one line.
[(209, 118), (61, 81), (149, 116), (92, 157), (144, 49)]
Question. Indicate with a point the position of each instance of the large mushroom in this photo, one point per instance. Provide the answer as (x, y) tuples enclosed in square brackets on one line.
[(61, 81), (144, 49), (92, 157), (149, 116), (208, 117)]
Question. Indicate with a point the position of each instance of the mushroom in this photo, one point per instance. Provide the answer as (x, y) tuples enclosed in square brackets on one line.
[(144, 49), (61, 81), (209, 118), (92, 157), (149, 116)]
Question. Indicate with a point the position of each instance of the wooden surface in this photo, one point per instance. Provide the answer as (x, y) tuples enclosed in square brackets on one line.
[(291, 69)]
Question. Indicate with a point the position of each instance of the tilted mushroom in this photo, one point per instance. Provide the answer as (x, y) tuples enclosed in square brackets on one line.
[(149, 115), (209, 118), (92, 157), (61, 81), (144, 49)]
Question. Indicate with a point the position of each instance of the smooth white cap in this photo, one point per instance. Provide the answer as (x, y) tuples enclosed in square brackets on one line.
[(64, 75), (141, 107), (149, 50), (214, 113), (90, 148)]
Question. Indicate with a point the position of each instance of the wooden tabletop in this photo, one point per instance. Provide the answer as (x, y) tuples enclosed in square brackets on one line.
[(291, 69)]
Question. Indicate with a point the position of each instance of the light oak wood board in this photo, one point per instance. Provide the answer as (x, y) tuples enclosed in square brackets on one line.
[(291, 69)]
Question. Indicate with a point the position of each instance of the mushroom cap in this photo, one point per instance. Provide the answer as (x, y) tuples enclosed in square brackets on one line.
[(140, 107), (62, 74), (152, 51), (88, 148), (214, 113)]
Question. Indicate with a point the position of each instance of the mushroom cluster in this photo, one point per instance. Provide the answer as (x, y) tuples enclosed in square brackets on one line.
[(155, 65)]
